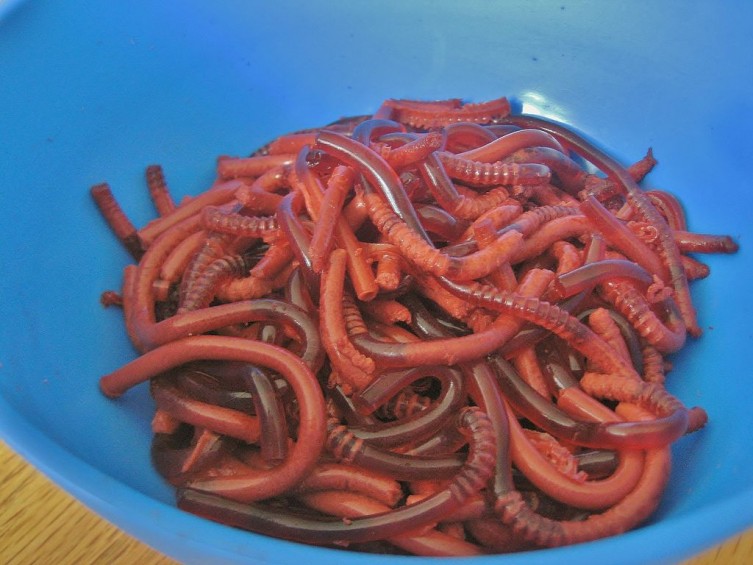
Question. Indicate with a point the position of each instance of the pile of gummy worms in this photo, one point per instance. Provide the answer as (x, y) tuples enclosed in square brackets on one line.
[(439, 330)]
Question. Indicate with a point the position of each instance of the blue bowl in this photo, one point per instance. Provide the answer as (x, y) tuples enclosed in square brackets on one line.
[(93, 91)]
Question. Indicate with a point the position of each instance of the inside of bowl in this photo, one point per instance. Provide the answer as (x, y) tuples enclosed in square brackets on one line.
[(95, 92)]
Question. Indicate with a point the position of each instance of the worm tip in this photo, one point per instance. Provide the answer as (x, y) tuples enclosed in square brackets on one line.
[(107, 390)]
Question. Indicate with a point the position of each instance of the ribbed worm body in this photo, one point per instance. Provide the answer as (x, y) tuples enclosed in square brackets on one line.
[(155, 181), (476, 425), (629, 302), (529, 222), (343, 444), (410, 153), (603, 324), (116, 218), (514, 512), (428, 116), (404, 405), (652, 397), (416, 249), (545, 314), (354, 323), (653, 365), (215, 219), (670, 255), (669, 207), (426, 257), (201, 291), (353, 368), (550, 317), (471, 208), (476, 470), (215, 246), (271, 271), (491, 174)]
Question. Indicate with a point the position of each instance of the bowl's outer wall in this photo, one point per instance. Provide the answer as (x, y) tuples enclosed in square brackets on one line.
[(93, 92)]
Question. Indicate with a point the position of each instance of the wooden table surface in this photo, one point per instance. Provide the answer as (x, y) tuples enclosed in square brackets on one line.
[(40, 523)]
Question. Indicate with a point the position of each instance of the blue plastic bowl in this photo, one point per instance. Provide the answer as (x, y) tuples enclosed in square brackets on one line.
[(93, 91)]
